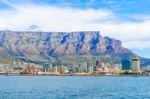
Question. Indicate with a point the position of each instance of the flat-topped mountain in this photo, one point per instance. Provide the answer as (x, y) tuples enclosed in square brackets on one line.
[(57, 46)]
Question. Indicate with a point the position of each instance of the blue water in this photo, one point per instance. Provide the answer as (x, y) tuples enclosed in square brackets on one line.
[(73, 87)]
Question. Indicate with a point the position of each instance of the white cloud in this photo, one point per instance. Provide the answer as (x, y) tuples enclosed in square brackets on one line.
[(48, 18), (133, 35), (140, 45)]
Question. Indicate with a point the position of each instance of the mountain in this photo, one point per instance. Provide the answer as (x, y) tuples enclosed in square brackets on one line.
[(62, 47)]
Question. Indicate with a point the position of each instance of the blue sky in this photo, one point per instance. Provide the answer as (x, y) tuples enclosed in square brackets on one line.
[(118, 6), (127, 20)]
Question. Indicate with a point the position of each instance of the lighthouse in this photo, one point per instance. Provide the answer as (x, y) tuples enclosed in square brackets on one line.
[(135, 64)]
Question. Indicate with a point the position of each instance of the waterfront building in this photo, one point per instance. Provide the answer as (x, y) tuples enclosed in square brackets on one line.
[(98, 63), (30, 68), (61, 69), (80, 69), (87, 62), (14, 63), (19, 63), (92, 69), (76, 69), (47, 68), (117, 68), (84, 66), (136, 64), (11, 69), (126, 64), (100, 67)]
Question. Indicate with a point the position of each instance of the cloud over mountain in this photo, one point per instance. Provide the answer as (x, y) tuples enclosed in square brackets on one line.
[(53, 18)]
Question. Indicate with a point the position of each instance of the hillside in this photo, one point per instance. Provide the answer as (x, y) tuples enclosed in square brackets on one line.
[(62, 47)]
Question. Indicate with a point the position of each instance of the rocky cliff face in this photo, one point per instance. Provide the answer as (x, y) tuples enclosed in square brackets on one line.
[(42, 46), (90, 42)]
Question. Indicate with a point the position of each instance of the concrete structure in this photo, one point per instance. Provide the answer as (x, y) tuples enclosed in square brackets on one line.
[(136, 64), (92, 69), (30, 68), (126, 64), (84, 66), (61, 69)]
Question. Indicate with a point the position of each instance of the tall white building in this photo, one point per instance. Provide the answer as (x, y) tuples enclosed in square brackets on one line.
[(136, 64)]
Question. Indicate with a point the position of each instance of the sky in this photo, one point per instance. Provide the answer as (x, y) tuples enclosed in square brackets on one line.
[(126, 20)]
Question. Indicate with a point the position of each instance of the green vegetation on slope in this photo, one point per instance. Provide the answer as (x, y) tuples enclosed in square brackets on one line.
[(6, 59)]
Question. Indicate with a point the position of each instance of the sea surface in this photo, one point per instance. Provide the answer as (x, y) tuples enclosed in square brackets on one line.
[(74, 87)]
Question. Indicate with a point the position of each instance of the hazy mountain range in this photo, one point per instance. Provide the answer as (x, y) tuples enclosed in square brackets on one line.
[(61, 47)]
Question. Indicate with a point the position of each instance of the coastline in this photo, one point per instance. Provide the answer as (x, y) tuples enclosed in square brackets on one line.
[(123, 75)]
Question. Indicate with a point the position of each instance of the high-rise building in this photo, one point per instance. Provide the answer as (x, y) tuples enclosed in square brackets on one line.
[(126, 64), (92, 68), (135, 64), (85, 66), (61, 69), (97, 62)]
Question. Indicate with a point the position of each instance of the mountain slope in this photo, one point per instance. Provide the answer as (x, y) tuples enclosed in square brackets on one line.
[(61, 47)]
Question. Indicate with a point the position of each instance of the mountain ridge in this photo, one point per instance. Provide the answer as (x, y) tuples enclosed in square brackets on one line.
[(36, 46)]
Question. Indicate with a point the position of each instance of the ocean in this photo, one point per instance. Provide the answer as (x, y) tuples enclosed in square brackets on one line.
[(74, 87)]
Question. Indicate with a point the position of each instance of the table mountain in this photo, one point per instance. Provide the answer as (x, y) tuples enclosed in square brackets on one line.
[(41, 47)]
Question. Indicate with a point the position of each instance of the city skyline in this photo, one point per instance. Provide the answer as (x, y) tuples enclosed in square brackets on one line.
[(125, 20)]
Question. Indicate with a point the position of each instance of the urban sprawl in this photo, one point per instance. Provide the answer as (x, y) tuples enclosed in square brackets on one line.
[(83, 69)]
